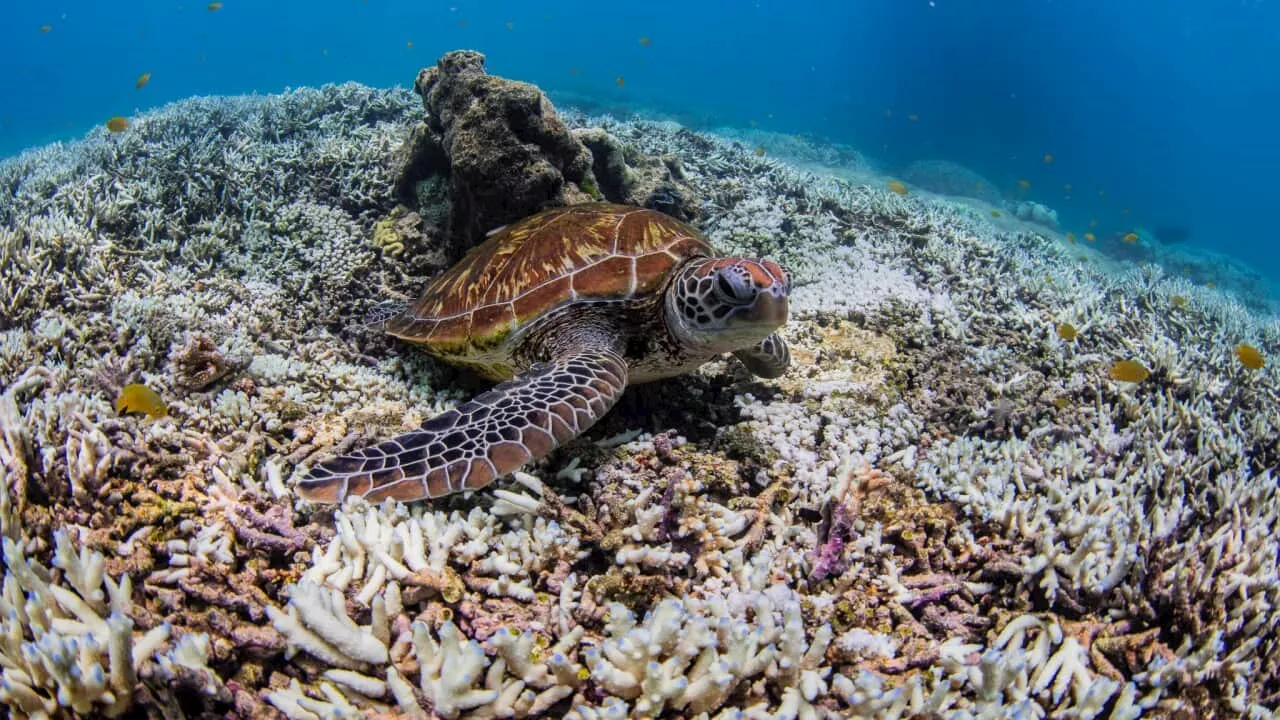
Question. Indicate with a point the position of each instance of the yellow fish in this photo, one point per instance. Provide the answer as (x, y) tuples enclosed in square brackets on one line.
[(759, 152), (645, 41), (214, 6), (1024, 184), (1130, 371), (897, 187), (995, 213), (117, 124), (1130, 238), (1067, 332), (1048, 158), (137, 397), (143, 79), (1090, 237), (510, 26), (45, 28), (1249, 356)]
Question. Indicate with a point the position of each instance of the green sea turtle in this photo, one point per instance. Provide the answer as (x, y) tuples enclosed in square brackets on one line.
[(565, 307)]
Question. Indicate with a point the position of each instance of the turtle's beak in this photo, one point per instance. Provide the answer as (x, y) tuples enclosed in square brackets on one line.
[(772, 301), (770, 309)]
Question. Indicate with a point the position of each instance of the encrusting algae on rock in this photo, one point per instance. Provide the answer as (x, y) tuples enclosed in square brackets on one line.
[(938, 511)]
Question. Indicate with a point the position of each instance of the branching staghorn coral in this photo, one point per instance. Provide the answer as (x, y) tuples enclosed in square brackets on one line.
[(73, 647)]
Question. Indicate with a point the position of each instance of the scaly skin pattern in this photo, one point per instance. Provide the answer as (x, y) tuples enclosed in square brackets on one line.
[(482, 439)]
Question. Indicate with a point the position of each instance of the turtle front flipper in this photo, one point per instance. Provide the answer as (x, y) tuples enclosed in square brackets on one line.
[(482, 439), (769, 359)]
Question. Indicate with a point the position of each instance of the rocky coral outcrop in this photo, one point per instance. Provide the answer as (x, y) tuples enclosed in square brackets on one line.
[(627, 176), (507, 154), (1034, 212)]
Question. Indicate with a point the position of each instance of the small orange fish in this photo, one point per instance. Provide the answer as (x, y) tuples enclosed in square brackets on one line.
[(45, 28), (620, 81), (1090, 237), (1130, 238), (1130, 371), (143, 79), (1062, 402), (1067, 332), (645, 41), (1024, 184), (137, 397), (1211, 284), (214, 6), (1071, 238), (995, 213), (1179, 301), (1048, 158), (117, 124), (897, 187), (1250, 357), (759, 152), (913, 117)]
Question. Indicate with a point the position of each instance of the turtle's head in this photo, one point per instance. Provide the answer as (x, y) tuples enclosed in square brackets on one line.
[(725, 304)]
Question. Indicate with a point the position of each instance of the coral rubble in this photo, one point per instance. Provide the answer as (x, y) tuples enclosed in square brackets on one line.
[(944, 509)]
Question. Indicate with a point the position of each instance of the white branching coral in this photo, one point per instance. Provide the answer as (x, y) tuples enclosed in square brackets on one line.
[(73, 646)]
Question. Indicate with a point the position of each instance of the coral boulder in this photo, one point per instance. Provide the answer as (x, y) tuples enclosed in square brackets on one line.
[(506, 152), (501, 153)]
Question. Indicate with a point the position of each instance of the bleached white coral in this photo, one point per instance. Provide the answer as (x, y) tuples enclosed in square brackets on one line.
[(74, 647)]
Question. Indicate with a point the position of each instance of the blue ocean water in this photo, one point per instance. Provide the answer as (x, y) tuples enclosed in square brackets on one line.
[(1156, 114)]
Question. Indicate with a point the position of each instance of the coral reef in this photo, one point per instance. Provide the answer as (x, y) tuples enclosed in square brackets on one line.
[(944, 509), (948, 178)]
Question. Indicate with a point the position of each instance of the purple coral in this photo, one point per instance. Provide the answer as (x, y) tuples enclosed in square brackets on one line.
[(829, 558)]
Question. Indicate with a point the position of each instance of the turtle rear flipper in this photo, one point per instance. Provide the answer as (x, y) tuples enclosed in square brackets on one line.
[(482, 439), (769, 359)]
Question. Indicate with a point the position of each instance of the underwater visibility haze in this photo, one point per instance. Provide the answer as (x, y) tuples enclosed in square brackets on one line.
[(872, 359)]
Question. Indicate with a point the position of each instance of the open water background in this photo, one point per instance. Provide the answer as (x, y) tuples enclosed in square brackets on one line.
[(1166, 109)]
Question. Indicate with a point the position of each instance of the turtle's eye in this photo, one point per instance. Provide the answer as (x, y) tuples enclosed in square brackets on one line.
[(731, 287)]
